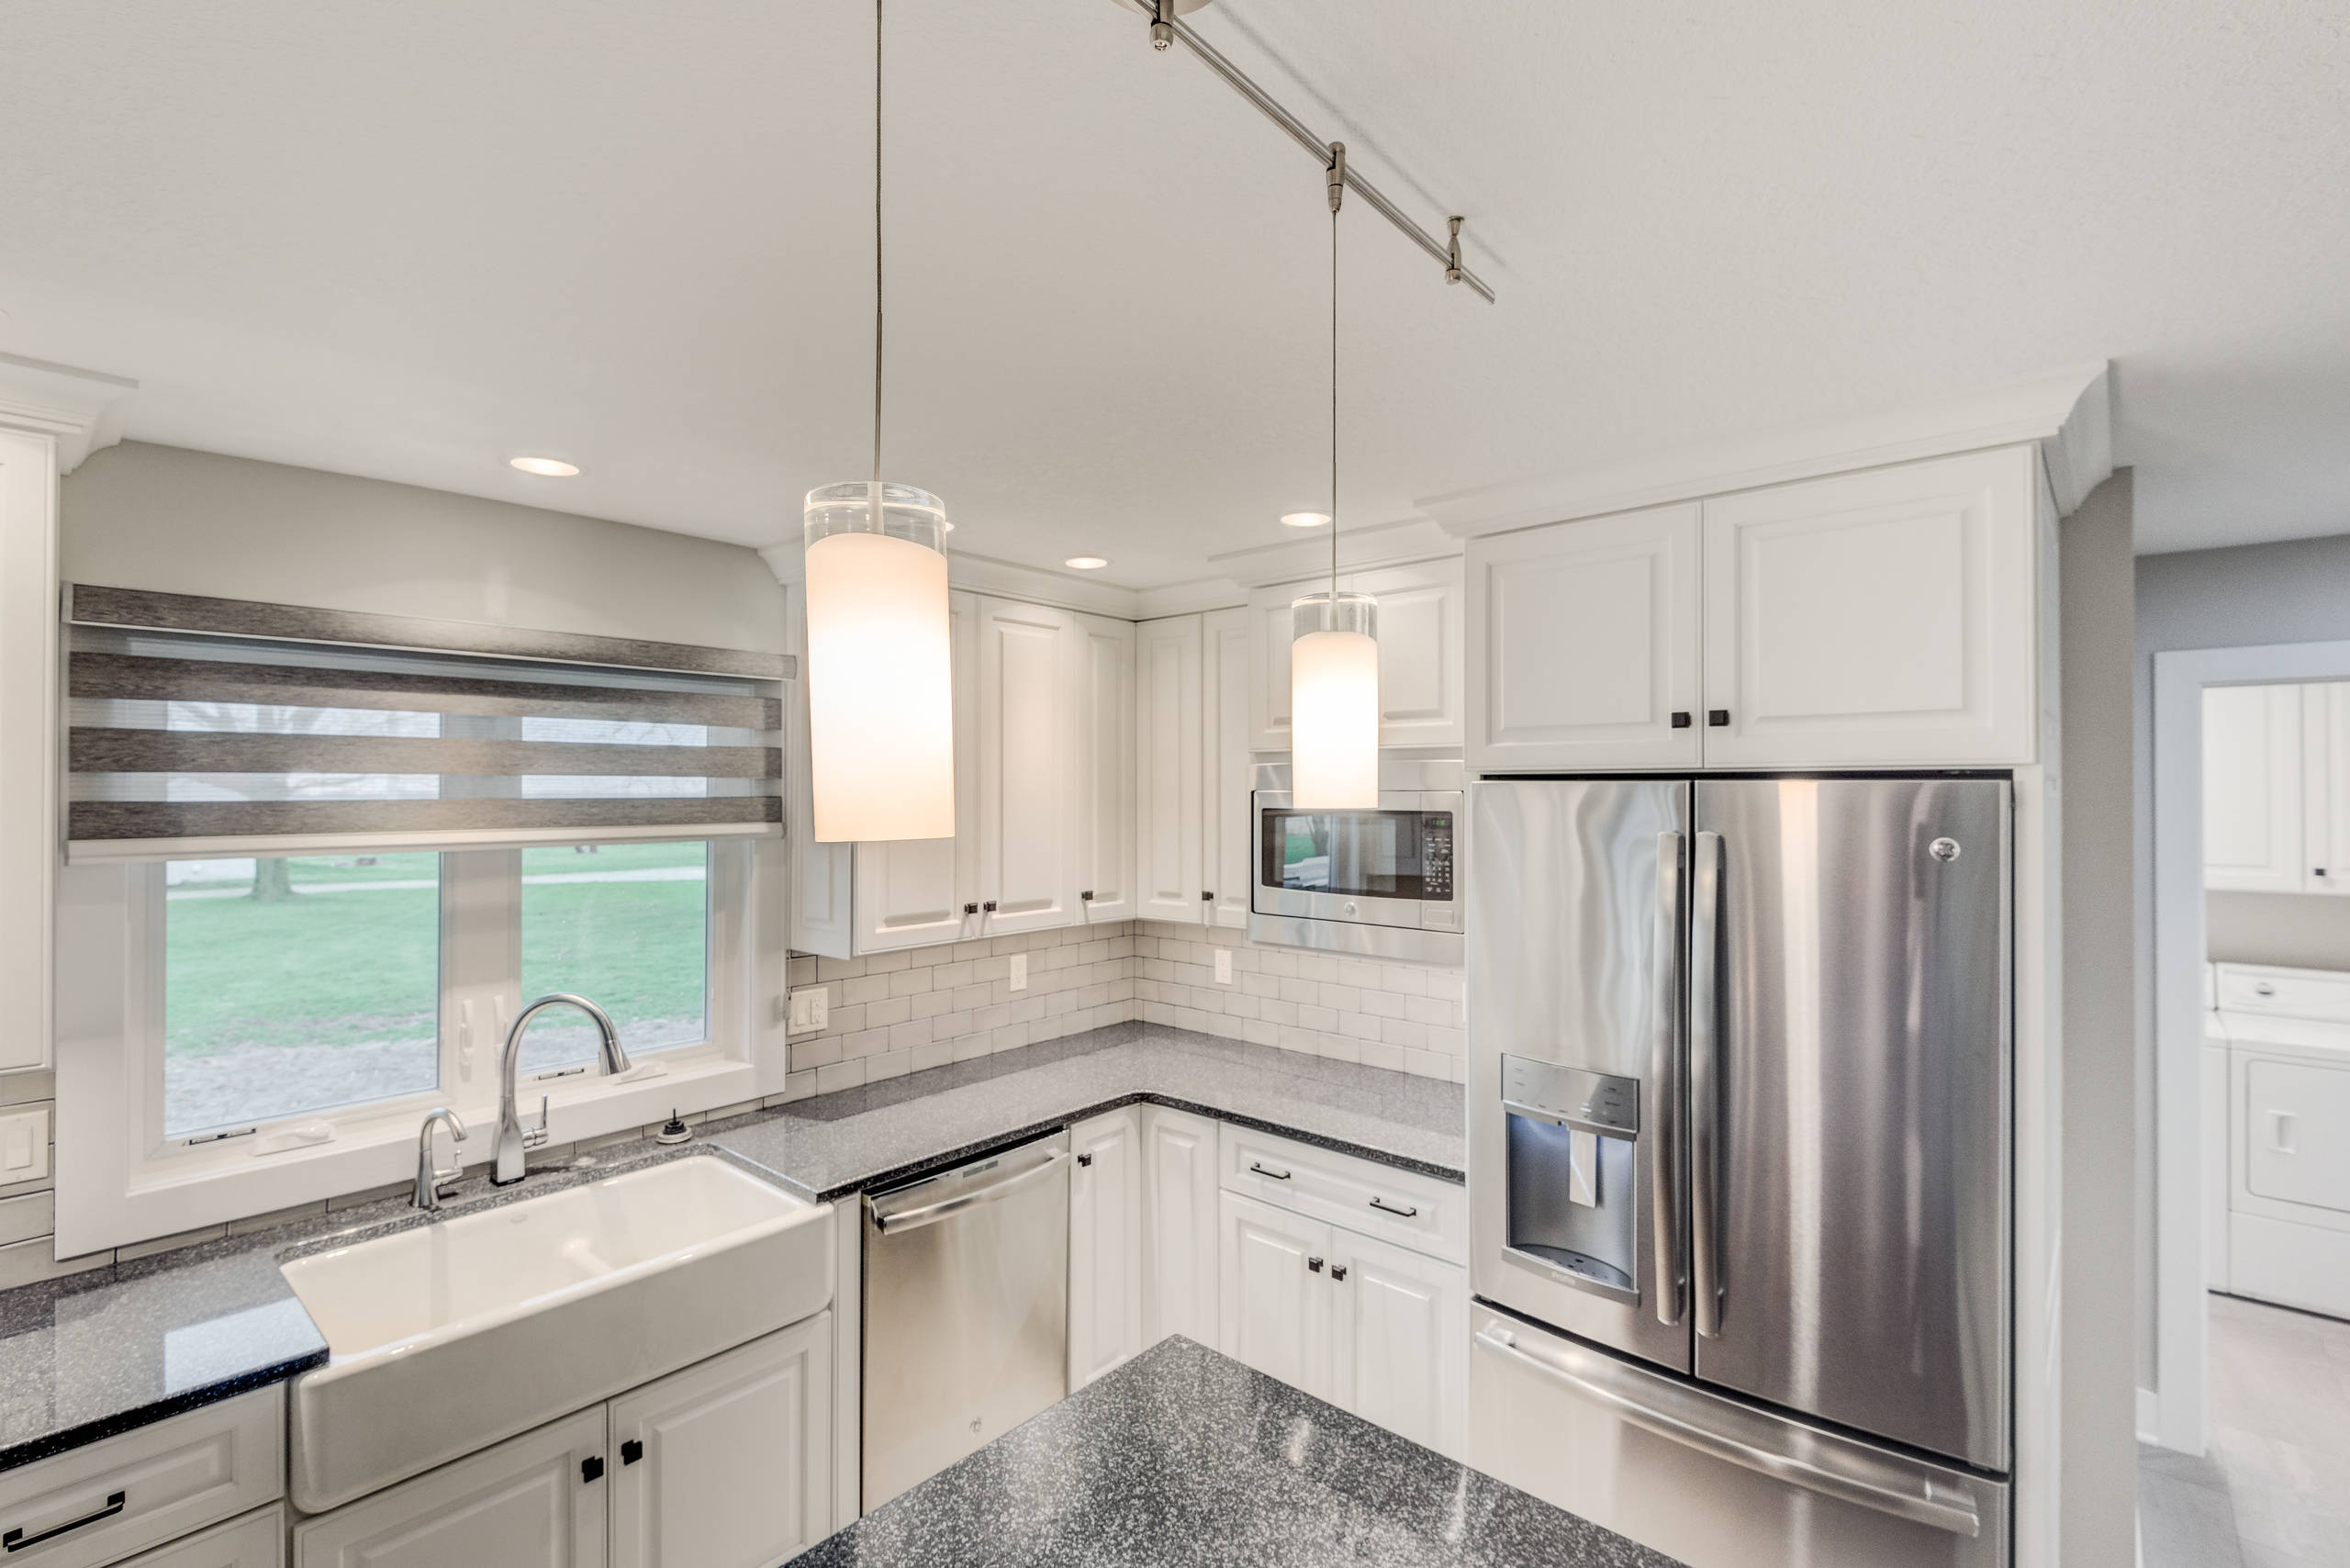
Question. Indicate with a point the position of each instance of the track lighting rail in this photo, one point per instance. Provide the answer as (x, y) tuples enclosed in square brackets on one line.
[(1165, 26)]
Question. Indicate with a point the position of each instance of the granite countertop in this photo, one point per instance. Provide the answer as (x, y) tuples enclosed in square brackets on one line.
[(84, 1357), (1183, 1457), (846, 1142)]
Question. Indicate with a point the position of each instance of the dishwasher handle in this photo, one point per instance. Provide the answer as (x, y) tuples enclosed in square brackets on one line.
[(947, 1208)]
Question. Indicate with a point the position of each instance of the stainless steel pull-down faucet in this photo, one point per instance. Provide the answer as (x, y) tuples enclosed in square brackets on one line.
[(433, 1182), (512, 1141)]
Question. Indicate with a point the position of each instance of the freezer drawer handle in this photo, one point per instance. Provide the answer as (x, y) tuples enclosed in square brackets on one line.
[(1921, 1503), (945, 1208), (16, 1540), (1406, 1212)]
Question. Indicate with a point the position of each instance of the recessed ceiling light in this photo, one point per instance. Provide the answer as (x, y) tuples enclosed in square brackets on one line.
[(545, 467), (1305, 519), (1085, 563)]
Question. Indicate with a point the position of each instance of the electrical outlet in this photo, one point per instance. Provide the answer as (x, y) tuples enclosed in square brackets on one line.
[(24, 1147), (1224, 966), (1019, 971), (811, 1010)]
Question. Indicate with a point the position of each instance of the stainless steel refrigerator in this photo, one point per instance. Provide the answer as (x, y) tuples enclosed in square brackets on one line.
[(1739, 1151)]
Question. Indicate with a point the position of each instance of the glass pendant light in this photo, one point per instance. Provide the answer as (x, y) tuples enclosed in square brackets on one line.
[(881, 670), (1334, 647)]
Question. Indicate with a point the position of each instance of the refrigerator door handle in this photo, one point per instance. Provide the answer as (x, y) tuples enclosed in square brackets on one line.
[(1705, 1086), (1851, 1473), (1662, 1132)]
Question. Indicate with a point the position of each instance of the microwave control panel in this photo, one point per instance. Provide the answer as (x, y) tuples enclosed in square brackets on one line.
[(1436, 855)]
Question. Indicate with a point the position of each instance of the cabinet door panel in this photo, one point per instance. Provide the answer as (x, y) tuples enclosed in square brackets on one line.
[(1880, 618), (29, 763), (1178, 1227), (2252, 789), (1421, 684), (2325, 786), (524, 1504), (734, 1457), (256, 1540), (1027, 784), (1276, 1291), (1104, 704), (1587, 644), (910, 893), (1105, 1245), (1224, 786), (1399, 1344), (1168, 769)]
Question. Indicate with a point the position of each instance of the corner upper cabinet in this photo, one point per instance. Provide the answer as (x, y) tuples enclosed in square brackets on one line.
[(1104, 703), (911, 892), (1882, 618), (1421, 683), (1169, 772), (1586, 645)]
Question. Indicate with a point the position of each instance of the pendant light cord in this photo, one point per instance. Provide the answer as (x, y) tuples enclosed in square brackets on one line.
[(1333, 621), (876, 251)]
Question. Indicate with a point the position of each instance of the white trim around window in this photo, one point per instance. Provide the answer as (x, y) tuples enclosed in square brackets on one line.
[(119, 1181)]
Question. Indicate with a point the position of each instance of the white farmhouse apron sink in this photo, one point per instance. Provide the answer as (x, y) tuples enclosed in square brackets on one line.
[(447, 1338)]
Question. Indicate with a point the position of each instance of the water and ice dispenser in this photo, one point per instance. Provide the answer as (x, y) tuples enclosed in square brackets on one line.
[(1574, 1197)]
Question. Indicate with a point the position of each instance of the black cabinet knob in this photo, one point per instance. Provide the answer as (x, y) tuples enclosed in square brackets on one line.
[(592, 1468), (1681, 717), (1718, 717), (630, 1451), (1338, 1272), (989, 906), (1085, 1159), (1207, 898), (1315, 1264), (970, 909)]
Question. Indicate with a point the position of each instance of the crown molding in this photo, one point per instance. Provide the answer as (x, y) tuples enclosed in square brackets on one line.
[(2068, 413), (1395, 544), (81, 409)]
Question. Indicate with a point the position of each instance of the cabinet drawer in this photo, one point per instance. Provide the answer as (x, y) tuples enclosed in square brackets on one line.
[(100, 1504), (1413, 1211), (257, 1540), (2322, 994)]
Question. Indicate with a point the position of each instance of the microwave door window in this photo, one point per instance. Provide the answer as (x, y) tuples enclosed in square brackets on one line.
[(1357, 855)]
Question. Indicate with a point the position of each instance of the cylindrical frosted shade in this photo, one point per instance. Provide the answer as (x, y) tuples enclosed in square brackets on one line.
[(1334, 705), (880, 667)]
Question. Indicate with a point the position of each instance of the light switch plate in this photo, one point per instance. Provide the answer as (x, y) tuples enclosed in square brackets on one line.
[(1224, 966), (1019, 971), (811, 1010), (24, 1147)]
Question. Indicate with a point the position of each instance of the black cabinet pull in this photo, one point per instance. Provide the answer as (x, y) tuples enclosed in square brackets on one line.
[(1206, 897), (592, 1468), (1680, 718), (1718, 717), (630, 1451), (1257, 1170), (1086, 897), (1314, 1264), (989, 906), (1339, 1273), (1406, 1212), (16, 1540), (1085, 1159), (970, 909)]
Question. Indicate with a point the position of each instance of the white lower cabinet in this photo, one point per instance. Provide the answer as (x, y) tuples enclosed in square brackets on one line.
[(535, 1501), (1179, 1239), (726, 1464), (256, 1540), (1105, 1316), (1276, 1314)]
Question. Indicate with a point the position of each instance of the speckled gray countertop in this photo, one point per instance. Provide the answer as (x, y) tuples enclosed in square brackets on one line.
[(858, 1138), (1184, 1457), (90, 1355)]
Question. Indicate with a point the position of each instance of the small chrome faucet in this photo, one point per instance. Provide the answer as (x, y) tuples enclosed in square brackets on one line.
[(433, 1182), (512, 1141)]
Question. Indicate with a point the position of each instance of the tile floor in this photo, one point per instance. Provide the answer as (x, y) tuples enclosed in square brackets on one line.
[(2275, 1491)]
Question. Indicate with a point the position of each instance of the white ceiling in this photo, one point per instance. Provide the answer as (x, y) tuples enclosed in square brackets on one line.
[(409, 240)]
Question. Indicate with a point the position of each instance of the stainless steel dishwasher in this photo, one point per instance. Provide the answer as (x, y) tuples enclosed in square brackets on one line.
[(966, 1310)]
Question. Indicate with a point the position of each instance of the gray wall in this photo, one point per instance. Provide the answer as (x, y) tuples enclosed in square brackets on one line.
[(2301, 931), (2100, 1447), (2249, 596), (166, 519)]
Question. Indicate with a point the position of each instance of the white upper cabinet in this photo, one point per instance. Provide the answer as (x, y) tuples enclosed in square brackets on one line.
[(1028, 786), (1168, 771), (1104, 703), (2325, 786), (1884, 618), (1587, 644), (915, 892), (29, 696), (1226, 837), (1421, 683), (2252, 789)]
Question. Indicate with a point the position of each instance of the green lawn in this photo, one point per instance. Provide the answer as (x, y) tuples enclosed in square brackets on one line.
[(328, 968)]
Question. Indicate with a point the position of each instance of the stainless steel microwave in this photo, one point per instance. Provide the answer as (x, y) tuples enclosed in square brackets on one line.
[(1383, 881)]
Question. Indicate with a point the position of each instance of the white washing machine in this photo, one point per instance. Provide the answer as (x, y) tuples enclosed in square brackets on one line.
[(2283, 1233)]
